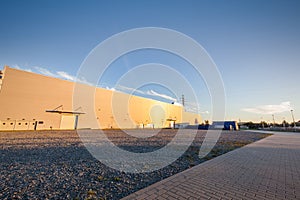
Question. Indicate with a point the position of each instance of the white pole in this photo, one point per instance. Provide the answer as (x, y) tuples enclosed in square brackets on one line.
[(293, 119)]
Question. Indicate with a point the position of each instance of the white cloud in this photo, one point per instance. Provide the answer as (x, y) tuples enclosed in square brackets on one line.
[(204, 112), (153, 93), (195, 108), (45, 71), (66, 76), (129, 89), (270, 109), (58, 74), (112, 89), (149, 92), (82, 80), (18, 67)]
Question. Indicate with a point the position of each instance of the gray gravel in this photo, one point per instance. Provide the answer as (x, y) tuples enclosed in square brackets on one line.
[(56, 165)]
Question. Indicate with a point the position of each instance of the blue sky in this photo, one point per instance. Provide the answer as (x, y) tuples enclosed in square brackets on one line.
[(255, 45)]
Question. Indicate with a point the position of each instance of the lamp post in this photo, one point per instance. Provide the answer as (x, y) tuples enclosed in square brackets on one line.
[(293, 119), (273, 121)]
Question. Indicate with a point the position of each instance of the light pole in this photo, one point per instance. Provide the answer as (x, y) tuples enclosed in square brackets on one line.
[(273, 121), (293, 119)]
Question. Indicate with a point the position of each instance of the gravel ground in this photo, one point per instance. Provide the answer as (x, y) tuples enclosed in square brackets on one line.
[(56, 165)]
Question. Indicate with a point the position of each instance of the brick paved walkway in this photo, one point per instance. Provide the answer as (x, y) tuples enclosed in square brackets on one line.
[(267, 169)]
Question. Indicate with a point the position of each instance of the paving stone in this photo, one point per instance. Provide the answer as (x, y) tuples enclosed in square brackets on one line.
[(266, 169)]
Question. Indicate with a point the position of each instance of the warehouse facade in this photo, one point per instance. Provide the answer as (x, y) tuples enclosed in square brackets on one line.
[(30, 101)]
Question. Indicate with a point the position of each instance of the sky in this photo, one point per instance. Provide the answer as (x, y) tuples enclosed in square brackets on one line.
[(254, 44)]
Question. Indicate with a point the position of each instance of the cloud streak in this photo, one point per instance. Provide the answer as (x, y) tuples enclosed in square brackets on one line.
[(194, 108), (45, 71), (270, 109), (164, 96), (148, 92), (58, 74), (66, 76), (18, 67)]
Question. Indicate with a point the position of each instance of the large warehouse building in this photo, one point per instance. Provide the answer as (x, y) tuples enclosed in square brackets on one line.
[(30, 101)]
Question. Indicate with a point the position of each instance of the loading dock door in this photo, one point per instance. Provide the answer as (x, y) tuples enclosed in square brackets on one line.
[(67, 121)]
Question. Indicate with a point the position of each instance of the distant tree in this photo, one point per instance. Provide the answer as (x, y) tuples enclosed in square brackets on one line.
[(284, 124), (263, 124), (252, 125)]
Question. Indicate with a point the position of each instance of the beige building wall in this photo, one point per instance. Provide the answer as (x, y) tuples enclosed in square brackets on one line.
[(25, 97), (191, 118), (115, 109)]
